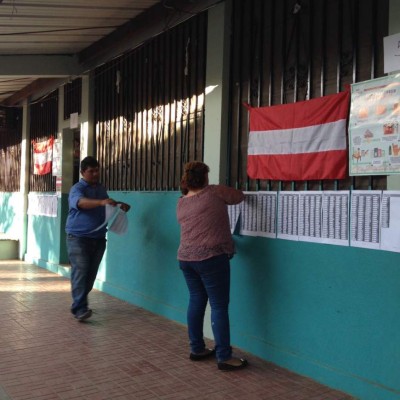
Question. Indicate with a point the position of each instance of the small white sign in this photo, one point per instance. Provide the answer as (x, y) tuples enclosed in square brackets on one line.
[(391, 52), (73, 121), (57, 156)]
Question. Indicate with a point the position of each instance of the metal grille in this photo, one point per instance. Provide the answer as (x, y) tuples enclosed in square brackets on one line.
[(149, 108), (10, 149), (43, 125), (285, 51), (72, 98)]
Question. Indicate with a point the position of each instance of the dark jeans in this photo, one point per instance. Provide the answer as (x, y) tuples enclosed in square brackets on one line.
[(85, 255), (209, 280)]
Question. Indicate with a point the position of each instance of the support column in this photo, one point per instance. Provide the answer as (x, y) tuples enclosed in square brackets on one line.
[(217, 91), (88, 139), (217, 103), (24, 179)]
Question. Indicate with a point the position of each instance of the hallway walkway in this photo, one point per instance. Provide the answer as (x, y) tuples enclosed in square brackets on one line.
[(123, 352)]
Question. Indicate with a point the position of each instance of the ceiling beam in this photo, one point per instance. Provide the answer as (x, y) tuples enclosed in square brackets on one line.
[(152, 22), (39, 65), (38, 87)]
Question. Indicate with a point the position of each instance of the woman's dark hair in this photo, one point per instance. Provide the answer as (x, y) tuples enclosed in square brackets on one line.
[(88, 162), (194, 176)]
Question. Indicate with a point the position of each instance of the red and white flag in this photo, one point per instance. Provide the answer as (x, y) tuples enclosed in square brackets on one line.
[(42, 156), (299, 141)]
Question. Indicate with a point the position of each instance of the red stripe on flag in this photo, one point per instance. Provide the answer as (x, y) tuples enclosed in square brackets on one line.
[(296, 167), (42, 156), (301, 114)]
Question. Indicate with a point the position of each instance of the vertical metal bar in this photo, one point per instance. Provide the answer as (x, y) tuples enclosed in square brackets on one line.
[(309, 56), (239, 48), (355, 25), (229, 166), (296, 58), (323, 47), (121, 125), (168, 73), (186, 86), (172, 111), (177, 166), (160, 115), (271, 34), (196, 87), (135, 116), (260, 54), (340, 46), (152, 105), (283, 55), (271, 78), (111, 147), (129, 123), (161, 52), (147, 120), (374, 37), (142, 114)]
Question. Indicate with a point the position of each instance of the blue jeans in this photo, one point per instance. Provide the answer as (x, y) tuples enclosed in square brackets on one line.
[(209, 280), (85, 255)]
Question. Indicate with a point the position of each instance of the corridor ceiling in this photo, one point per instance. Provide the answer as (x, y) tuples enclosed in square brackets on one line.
[(47, 41)]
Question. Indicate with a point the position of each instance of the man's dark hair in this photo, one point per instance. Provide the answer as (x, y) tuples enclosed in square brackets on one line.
[(88, 162)]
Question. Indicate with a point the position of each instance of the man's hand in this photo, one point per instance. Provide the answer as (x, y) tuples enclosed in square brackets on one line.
[(124, 207), (111, 202)]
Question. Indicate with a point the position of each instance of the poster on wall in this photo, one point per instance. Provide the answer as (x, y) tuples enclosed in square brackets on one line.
[(374, 134)]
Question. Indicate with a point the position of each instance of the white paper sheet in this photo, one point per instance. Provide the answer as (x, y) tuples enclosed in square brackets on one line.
[(258, 214), (365, 218), (390, 221), (287, 220)]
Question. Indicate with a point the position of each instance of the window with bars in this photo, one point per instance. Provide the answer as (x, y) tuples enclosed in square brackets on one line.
[(43, 126), (10, 149), (284, 51), (149, 110), (72, 97)]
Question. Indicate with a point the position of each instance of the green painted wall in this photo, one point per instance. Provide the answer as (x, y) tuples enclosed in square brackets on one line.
[(46, 236), (10, 204), (327, 312)]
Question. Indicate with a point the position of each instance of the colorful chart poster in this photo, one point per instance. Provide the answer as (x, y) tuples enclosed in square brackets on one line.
[(374, 133)]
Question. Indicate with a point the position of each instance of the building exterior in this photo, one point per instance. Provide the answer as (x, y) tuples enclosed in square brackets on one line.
[(324, 311)]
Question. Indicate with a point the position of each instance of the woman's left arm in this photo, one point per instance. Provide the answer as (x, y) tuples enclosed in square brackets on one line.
[(229, 194)]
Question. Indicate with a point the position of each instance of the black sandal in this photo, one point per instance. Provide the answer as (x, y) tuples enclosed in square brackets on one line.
[(223, 366), (207, 353)]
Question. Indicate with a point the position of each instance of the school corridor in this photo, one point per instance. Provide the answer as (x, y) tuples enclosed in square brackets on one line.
[(122, 352)]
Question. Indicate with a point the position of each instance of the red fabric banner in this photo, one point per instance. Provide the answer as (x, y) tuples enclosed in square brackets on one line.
[(42, 156), (306, 140)]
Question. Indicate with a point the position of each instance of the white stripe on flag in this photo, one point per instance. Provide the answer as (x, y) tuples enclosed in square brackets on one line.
[(310, 139)]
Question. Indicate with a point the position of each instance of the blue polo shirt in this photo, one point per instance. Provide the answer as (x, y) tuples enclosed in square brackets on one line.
[(82, 222)]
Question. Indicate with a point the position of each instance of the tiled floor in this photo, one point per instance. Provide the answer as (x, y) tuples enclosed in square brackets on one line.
[(122, 352)]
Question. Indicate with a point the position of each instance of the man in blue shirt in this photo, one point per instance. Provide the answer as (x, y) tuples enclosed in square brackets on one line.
[(86, 233)]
